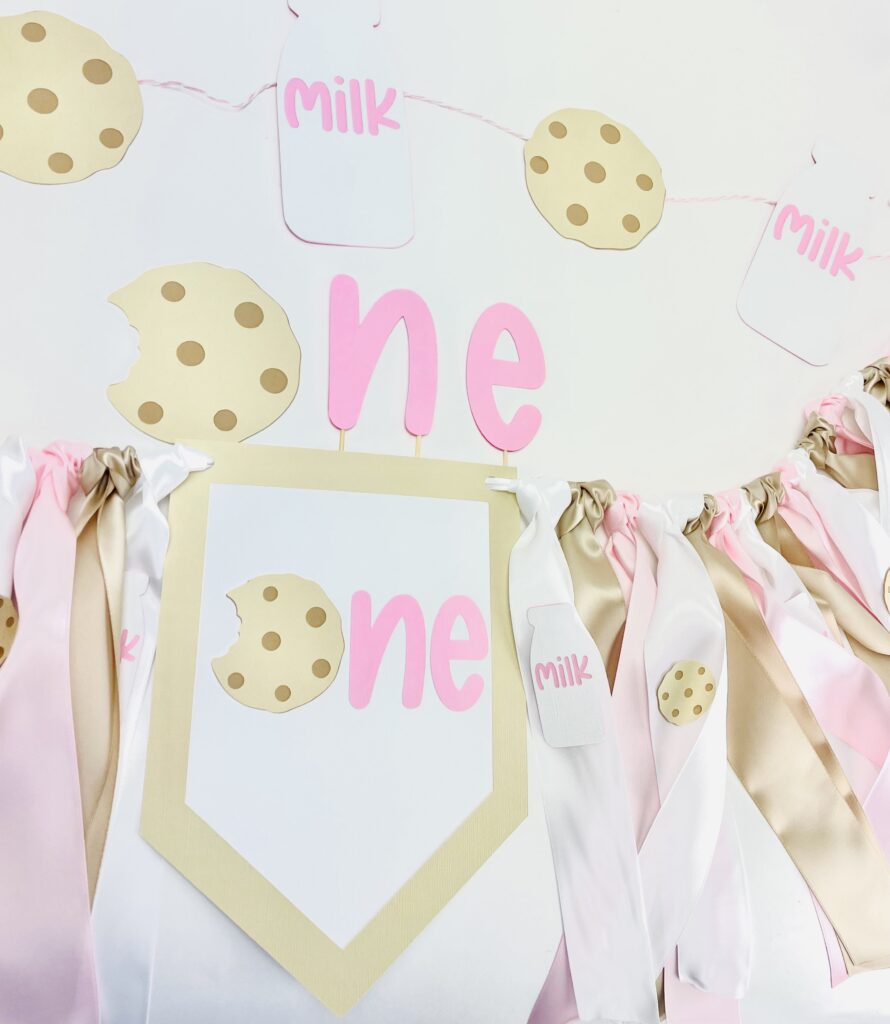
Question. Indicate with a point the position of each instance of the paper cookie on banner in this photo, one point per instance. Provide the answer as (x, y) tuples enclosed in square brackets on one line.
[(593, 180), (69, 104), (218, 359), (800, 284), (343, 138), (289, 649)]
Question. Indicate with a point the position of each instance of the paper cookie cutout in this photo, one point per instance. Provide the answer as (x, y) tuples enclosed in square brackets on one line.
[(593, 179), (218, 359), (9, 624), (289, 647), (686, 692), (69, 104)]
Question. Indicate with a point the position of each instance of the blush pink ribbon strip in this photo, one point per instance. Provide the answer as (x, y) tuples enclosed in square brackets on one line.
[(47, 971)]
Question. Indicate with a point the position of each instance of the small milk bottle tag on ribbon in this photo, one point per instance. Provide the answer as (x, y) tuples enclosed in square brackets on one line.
[(568, 677), (801, 281), (345, 157)]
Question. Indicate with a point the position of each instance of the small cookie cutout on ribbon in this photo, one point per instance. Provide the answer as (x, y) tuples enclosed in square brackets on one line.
[(218, 359), (686, 692), (289, 647), (69, 104), (593, 179), (9, 624)]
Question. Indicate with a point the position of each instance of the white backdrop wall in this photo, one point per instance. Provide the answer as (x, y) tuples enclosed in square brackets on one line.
[(653, 380)]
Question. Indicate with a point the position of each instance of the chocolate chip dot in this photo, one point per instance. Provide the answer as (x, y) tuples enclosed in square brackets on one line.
[(665, 696), (2, 651), (644, 182), (282, 693), (678, 674), (150, 412), (687, 692), (173, 291), (557, 129), (630, 223), (111, 138), (701, 670), (248, 314), (539, 165), (675, 713), (10, 622), (316, 617), (576, 214), (190, 353), (236, 680), (697, 709), (271, 641), (2, 602), (321, 668), (594, 172), (97, 71), (270, 594), (709, 687), (42, 101), (33, 31), (610, 134), (1, 131), (61, 163), (225, 419), (274, 381)]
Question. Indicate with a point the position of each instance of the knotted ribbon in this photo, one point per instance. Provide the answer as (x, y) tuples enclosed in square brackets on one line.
[(107, 477)]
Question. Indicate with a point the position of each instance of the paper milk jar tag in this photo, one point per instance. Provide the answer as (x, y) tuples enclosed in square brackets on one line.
[(568, 677), (803, 276), (345, 157)]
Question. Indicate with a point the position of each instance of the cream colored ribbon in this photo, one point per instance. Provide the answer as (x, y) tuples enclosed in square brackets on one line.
[(785, 762), (107, 477)]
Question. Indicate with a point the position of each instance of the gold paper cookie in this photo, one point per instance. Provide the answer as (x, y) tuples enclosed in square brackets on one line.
[(9, 624), (686, 692), (69, 104), (593, 179), (289, 647), (218, 359)]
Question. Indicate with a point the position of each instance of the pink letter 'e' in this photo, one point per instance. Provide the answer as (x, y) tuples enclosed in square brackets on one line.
[(484, 372), (355, 346), (444, 649), (368, 641)]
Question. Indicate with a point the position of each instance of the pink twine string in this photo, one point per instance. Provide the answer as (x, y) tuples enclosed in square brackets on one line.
[(192, 90)]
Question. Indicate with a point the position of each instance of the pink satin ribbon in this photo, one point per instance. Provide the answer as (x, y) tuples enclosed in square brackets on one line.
[(47, 971), (847, 439)]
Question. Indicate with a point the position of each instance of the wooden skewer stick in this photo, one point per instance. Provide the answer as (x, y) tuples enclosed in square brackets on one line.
[(506, 460), (418, 441), (342, 440)]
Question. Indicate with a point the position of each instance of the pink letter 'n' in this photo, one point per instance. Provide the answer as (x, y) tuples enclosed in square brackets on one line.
[(355, 346), (368, 642)]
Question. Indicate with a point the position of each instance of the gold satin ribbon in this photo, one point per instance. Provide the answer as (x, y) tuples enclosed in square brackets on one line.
[(876, 381), (783, 759), (598, 596), (107, 477), (856, 472)]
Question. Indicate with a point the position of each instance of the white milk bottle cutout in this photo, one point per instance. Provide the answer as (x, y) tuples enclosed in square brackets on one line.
[(343, 140), (803, 276), (568, 677)]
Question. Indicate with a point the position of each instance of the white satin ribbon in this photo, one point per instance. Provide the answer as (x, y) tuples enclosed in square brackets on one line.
[(122, 938), (17, 485), (856, 545), (686, 623), (585, 799)]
